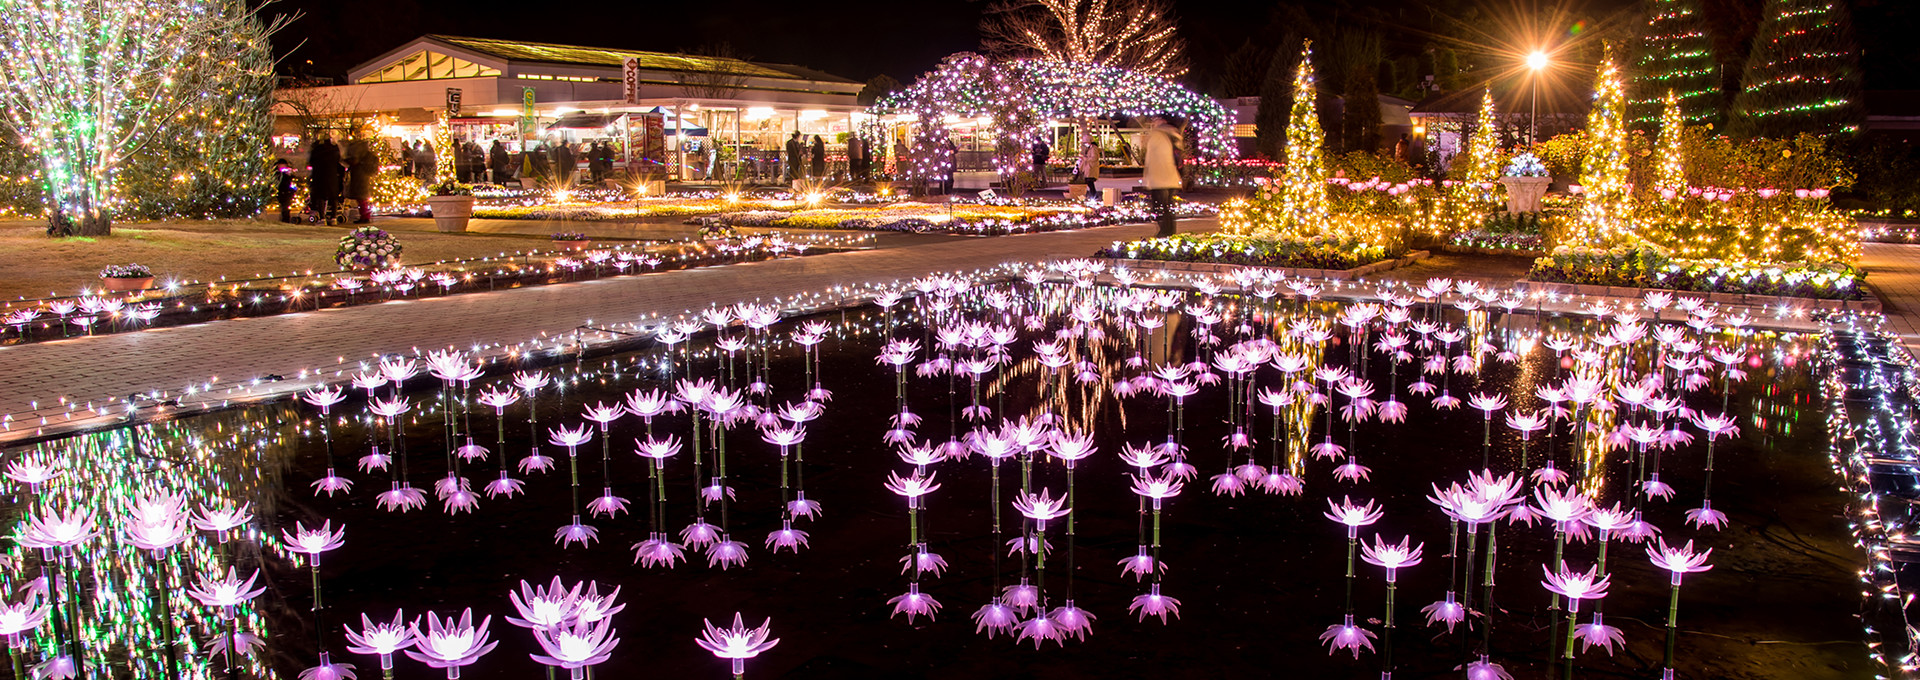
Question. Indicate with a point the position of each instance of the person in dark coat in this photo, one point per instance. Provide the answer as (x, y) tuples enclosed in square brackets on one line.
[(406, 158), (819, 166), (425, 166), (323, 178), (564, 163), (1041, 154), (606, 158), (541, 161), (283, 188), (362, 165), (795, 149), (500, 162), (856, 169)]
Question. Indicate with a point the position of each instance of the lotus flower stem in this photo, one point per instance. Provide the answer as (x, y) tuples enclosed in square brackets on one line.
[(1157, 568), (1573, 613), (699, 508), (1353, 545), (996, 527), (1486, 442), (1673, 621), (1070, 533), (1386, 650), (233, 637), (720, 442), (658, 519), (1559, 562), (1466, 592), (1493, 550)]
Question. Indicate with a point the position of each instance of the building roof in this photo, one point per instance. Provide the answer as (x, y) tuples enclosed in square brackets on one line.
[(576, 55)]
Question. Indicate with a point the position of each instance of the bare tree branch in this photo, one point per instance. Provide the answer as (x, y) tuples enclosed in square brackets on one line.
[(1138, 35)]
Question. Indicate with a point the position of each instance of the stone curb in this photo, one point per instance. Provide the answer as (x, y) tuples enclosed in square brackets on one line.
[(1222, 268)]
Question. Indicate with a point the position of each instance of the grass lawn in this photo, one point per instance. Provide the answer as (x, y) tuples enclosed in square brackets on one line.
[(190, 250)]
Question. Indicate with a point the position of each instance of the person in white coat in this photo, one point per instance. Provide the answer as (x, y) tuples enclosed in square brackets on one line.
[(1162, 143), (1090, 165)]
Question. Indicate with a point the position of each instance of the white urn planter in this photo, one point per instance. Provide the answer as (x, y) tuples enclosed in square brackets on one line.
[(1523, 193), (451, 213)]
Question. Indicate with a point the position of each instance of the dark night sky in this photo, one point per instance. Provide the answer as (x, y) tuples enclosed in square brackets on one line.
[(903, 38)]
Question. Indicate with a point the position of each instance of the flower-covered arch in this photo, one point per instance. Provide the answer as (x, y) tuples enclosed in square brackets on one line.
[(1021, 95)]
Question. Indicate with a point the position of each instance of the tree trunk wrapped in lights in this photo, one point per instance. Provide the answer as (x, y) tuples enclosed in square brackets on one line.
[(90, 83)]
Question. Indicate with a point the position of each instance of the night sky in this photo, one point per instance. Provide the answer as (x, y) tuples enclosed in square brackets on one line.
[(862, 38)]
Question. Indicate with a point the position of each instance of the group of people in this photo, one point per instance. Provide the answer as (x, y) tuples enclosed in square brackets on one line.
[(497, 164), (331, 177), (809, 160)]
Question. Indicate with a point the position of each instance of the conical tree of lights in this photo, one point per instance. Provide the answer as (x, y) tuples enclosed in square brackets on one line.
[(1675, 55), (1803, 74), (1603, 179), (1671, 174), (1483, 150), (1303, 182)]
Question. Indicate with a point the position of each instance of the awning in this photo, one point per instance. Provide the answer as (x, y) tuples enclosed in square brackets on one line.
[(582, 121)]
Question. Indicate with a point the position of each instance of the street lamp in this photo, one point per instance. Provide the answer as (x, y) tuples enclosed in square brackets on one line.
[(1535, 62)]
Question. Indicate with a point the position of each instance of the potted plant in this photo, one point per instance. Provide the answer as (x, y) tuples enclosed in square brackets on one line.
[(451, 205), (124, 278), (571, 240), (1526, 181), (367, 249)]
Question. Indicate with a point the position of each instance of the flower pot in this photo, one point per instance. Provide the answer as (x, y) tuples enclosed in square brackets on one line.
[(451, 213), (1523, 193), (123, 284), (573, 246)]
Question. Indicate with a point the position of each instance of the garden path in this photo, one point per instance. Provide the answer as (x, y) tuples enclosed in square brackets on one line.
[(1893, 271)]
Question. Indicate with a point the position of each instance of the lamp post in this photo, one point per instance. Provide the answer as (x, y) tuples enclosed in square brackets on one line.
[(1535, 62)]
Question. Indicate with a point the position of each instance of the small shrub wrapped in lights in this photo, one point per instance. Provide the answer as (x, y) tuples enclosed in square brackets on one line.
[(1522, 232), (367, 248), (1644, 267), (1310, 253)]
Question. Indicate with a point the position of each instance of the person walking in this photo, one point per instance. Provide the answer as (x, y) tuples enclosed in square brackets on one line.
[(565, 163), (541, 162), (795, 150), (500, 162), (362, 164), (426, 166), (406, 158), (323, 178), (283, 188), (818, 168), (1090, 166), (1041, 154), (855, 166), (1162, 143)]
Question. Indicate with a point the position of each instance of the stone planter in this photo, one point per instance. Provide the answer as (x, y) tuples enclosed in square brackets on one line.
[(451, 213), (1523, 193), (573, 246), (123, 284)]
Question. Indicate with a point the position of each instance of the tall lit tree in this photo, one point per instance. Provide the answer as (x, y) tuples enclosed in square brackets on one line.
[(87, 83), (1303, 179), (1483, 147), (1671, 173), (1137, 35), (1676, 53), (1803, 74), (1607, 204)]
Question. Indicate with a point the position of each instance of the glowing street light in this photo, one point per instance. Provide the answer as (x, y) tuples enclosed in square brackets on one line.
[(1536, 62)]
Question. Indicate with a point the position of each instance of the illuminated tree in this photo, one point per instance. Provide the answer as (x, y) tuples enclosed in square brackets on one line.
[(1803, 74), (88, 83), (1137, 35), (1671, 173), (1676, 54), (1303, 178), (1603, 177), (1483, 148)]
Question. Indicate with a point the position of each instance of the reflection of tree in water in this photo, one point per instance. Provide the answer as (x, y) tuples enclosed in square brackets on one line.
[(116, 607)]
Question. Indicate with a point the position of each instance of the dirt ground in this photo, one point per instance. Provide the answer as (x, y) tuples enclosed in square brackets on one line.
[(38, 266)]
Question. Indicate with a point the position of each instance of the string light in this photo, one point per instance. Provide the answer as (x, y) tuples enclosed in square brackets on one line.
[(1676, 57), (1803, 74)]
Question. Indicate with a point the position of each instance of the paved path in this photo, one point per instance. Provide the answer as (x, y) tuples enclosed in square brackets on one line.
[(96, 370), (1893, 271)]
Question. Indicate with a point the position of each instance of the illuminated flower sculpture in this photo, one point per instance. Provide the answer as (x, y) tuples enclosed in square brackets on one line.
[(1715, 427), (453, 644), (1158, 489), (313, 542), (658, 550), (380, 639), (500, 399), (1346, 635), (913, 602), (1392, 557), (225, 594), (573, 532), (1680, 561), (576, 645), (324, 398), (737, 643), (1577, 586)]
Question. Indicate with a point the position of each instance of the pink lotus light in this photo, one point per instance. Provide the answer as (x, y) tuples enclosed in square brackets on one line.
[(499, 399), (229, 591), (1353, 516), (328, 670), (1484, 669), (576, 532), (912, 487), (737, 643), (576, 646), (1681, 561), (1039, 629), (1141, 565), (312, 542), (222, 517), (1599, 634), (1228, 484), (794, 539), (914, 603), (1576, 586), (657, 551), (398, 369), (1152, 603), (375, 460), (604, 414), (1072, 620), (530, 381), (247, 643), (324, 398), (1655, 488), (1021, 597), (726, 554), (1421, 387), (471, 451), (504, 486), (699, 534), (1527, 423), (1328, 449), (31, 472), (1705, 516), (1550, 474), (402, 498), (570, 437), (995, 618), (544, 607), (1447, 611), (451, 645), (607, 504), (390, 408), (157, 522), (1070, 447), (18, 619), (1639, 529), (535, 462), (331, 483), (1041, 508), (802, 507), (1351, 471), (1446, 400), (923, 562), (1393, 411), (1391, 556), (1347, 636), (1282, 483)]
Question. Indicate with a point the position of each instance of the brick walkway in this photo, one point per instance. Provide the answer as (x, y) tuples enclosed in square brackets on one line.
[(1893, 271), (97, 369)]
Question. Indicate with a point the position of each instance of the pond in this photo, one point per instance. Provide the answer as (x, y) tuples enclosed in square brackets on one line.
[(1032, 372)]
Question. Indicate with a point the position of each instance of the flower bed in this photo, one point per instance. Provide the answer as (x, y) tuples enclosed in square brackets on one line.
[(971, 219), (1314, 253), (1649, 268), (625, 210)]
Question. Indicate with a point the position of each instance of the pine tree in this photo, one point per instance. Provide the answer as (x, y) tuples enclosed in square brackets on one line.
[(1603, 178), (1676, 53), (1270, 121), (1803, 74), (1360, 59), (1303, 181), (1483, 148)]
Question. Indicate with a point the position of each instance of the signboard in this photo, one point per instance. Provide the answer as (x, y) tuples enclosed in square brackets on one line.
[(453, 101), (527, 131), (655, 149), (630, 79)]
